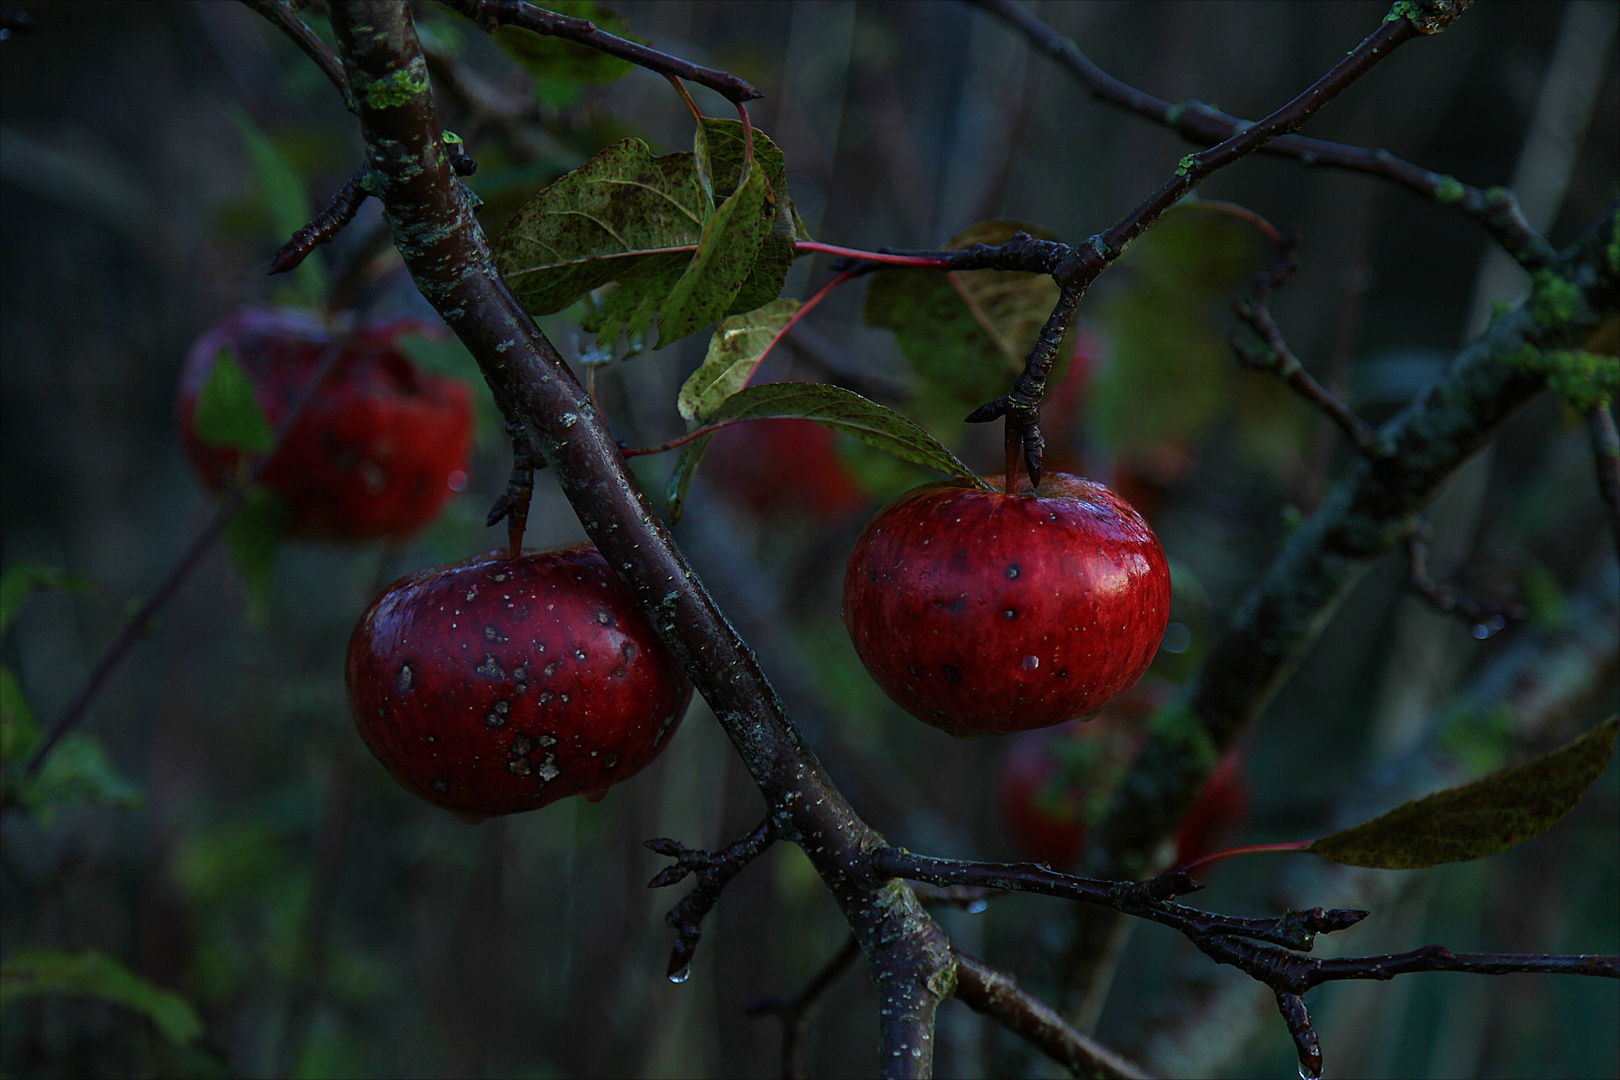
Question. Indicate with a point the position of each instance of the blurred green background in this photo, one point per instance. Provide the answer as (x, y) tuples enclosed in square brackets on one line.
[(323, 923)]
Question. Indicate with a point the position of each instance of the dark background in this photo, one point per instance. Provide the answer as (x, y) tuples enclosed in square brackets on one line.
[(327, 924)]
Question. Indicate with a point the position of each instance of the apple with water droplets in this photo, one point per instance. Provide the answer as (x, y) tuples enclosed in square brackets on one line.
[(500, 684), (983, 612), (377, 451)]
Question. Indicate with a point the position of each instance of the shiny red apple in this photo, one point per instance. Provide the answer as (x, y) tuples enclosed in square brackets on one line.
[(783, 466), (500, 684), (378, 449), (981, 612)]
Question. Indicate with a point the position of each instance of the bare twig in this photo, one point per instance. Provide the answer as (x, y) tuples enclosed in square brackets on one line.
[(713, 870), (998, 995), (285, 16), (1497, 209), (136, 626), (492, 14), (1606, 457), (1279, 359), (513, 505), (1486, 616), (323, 227), (794, 1012)]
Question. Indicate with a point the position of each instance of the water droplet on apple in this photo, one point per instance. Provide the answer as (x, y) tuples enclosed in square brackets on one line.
[(1030, 663)]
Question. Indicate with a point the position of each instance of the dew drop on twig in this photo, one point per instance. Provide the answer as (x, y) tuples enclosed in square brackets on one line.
[(680, 976), (975, 907)]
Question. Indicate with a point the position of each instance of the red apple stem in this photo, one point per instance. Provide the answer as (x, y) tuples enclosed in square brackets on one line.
[(1253, 849), (931, 262), (680, 88), (748, 136)]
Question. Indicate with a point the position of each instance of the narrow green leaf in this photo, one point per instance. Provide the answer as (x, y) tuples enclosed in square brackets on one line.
[(734, 351), (777, 250), (22, 578), (561, 61), (228, 412), (286, 198), (725, 253), (96, 975), (837, 408), (1478, 819), (967, 333), (253, 536), (77, 771), (18, 733)]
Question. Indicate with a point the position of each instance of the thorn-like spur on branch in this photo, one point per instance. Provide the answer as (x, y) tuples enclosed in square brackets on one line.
[(1279, 359), (493, 14), (325, 225), (1497, 209), (998, 995), (1486, 616), (713, 870), (285, 16), (1145, 900), (795, 1011), (513, 505), (1606, 456)]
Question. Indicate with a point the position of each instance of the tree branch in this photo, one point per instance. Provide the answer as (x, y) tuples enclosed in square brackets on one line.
[(449, 259), (714, 871), (1497, 209), (287, 21), (794, 1012), (492, 14), (998, 995)]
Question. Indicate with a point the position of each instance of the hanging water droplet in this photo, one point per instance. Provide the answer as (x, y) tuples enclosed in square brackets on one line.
[(1488, 627), (1306, 1072), (975, 907), (680, 976)]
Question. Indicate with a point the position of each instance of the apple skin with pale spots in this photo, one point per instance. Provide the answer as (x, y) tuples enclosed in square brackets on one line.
[(499, 684), (985, 613), (378, 450)]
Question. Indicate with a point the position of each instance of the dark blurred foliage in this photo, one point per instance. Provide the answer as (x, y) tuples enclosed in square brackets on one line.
[(324, 923)]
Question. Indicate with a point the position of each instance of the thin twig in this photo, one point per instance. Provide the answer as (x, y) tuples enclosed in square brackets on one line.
[(513, 505), (490, 15), (998, 995), (794, 1012), (1606, 458), (324, 226), (713, 870), (1497, 209), (286, 19), (137, 624), (1279, 359), (1486, 616)]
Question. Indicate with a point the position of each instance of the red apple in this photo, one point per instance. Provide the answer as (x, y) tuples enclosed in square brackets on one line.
[(1055, 782), (501, 684), (1213, 820), (782, 465), (984, 613), (377, 451)]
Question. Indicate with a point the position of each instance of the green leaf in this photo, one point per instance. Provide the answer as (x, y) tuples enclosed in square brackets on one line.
[(735, 351), (967, 333), (252, 537), (725, 253), (1478, 819), (228, 412), (18, 733), (558, 60), (286, 198), (22, 578), (644, 222), (96, 975), (1165, 319), (837, 408), (77, 771)]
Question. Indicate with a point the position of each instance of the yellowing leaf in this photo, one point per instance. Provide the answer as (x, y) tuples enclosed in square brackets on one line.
[(734, 351)]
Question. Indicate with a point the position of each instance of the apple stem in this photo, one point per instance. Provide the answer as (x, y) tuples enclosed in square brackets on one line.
[(1253, 849), (680, 88), (932, 262)]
